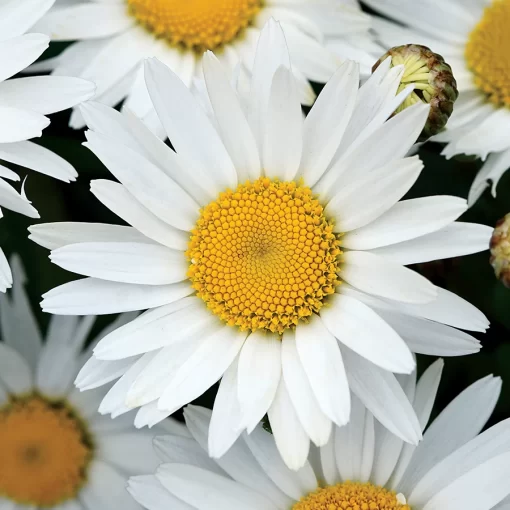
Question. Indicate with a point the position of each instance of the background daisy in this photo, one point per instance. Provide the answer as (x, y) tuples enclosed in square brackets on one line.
[(232, 294), (362, 466), (24, 102), (57, 451), (115, 36), (473, 38)]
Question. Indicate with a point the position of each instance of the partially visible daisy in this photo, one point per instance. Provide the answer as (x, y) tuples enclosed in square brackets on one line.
[(24, 102), (270, 252), (57, 451), (473, 37), (362, 466), (115, 36)]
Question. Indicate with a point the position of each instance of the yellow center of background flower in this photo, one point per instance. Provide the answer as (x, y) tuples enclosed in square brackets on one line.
[(45, 452), (264, 256), (198, 25), (488, 53), (351, 496)]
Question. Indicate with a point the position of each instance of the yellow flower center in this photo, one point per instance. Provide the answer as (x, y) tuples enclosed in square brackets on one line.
[(352, 496), (488, 53), (264, 256), (45, 451), (197, 25)]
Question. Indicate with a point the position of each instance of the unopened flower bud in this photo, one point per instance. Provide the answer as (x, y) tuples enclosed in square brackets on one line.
[(433, 81), (500, 250)]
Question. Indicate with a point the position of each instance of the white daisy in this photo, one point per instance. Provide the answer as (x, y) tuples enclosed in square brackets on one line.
[(270, 251), (57, 451), (24, 102), (114, 36), (362, 466), (474, 39)]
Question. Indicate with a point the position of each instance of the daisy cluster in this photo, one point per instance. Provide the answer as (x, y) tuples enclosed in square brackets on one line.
[(269, 250)]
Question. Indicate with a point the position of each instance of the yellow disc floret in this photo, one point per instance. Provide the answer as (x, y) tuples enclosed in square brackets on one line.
[(488, 53), (198, 25), (45, 452), (264, 256), (352, 496)]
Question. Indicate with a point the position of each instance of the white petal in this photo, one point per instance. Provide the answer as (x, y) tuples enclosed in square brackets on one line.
[(148, 264), (150, 493), (158, 192), (19, 52), (426, 391), (482, 448), (96, 372), (17, 16), (283, 141), (100, 297), (233, 126), (356, 325), (211, 359), (187, 125), (83, 21), (45, 94), (383, 396), (40, 159), (261, 354), (354, 444), (290, 437), (57, 235), (293, 483), (479, 489), (215, 491), (19, 124), (460, 421), (406, 220), (313, 420), (224, 428), (375, 275), (15, 372), (454, 240), (321, 358), (5, 273), (326, 123), (118, 199)]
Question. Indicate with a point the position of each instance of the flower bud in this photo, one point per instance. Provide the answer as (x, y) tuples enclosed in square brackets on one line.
[(500, 250), (433, 81)]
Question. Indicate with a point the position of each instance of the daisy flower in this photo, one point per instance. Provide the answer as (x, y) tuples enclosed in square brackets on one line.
[(270, 252), (361, 467), (473, 37), (57, 451), (114, 37), (24, 102)]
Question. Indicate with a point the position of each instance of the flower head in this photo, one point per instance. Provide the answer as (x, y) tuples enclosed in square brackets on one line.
[(362, 466), (269, 251), (56, 450)]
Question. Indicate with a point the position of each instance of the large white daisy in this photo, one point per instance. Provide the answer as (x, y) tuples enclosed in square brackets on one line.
[(57, 451), (271, 252), (474, 39), (24, 102), (361, 468), (115, 35)]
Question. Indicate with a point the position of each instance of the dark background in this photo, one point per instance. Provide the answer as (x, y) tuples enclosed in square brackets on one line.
[(471, 277)]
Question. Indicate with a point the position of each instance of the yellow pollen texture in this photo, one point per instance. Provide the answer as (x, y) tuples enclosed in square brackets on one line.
[(44, 451), (264, 256), (488, 53), (351, 496), (198, 25)]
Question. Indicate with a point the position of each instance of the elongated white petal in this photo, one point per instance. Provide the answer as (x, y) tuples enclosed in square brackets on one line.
[(316, 424), (383, 396), (261, 354), (149, 492), (321, 358), (148, 264), (362, 330), (376, 275)]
